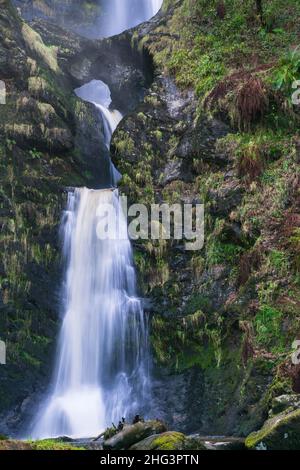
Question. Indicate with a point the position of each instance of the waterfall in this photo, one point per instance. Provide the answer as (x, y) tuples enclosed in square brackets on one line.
[(120, 15), (155, 5), (98, 93), (102, 366)]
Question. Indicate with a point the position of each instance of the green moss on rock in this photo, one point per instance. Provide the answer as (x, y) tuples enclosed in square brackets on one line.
[(168, 441), (279, 433)]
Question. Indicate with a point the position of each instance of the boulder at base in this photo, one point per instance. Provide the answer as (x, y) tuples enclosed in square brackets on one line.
[(170, 440), (279, 433), (134, 433)]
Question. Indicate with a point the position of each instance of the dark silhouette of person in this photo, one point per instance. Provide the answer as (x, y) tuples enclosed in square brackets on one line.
[(136, 419), (120, 426)]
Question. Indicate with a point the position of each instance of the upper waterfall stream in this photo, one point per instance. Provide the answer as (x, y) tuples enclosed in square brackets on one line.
[(120, 15), (102, 363), (98, 93)]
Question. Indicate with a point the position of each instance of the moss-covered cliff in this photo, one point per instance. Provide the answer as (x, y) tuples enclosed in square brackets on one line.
[(47, 142), (219, 127)]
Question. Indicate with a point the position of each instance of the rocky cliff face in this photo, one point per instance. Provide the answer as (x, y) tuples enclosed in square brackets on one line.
[(223, 319)]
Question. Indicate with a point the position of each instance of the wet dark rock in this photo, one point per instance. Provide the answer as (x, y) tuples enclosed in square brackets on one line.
[(172, 171), (207, 132), (191, 401), (134, 433), (127, 70), (227, 198), (284, 402), (117, 61)]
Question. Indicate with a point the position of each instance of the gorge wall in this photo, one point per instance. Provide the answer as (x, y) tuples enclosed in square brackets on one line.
[(223, 319)]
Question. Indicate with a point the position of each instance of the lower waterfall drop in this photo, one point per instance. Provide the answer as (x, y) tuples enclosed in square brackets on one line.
[(102, 370)]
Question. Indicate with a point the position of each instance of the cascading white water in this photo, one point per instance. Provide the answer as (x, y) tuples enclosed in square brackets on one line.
[(120, 15), (98, 93), (102, 368), (156, 5)]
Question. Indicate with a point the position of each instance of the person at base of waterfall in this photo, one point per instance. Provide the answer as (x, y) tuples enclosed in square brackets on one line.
[(137, 419)]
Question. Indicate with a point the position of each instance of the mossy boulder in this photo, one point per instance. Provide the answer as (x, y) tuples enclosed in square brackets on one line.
[(134, 433), (169, 440), (279, 433)]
